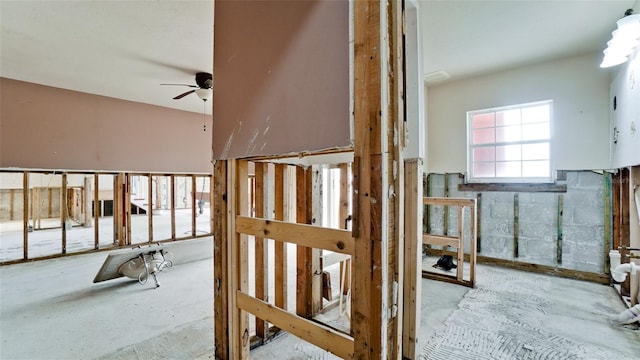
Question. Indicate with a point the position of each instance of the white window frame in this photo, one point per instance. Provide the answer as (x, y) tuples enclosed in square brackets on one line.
[(470, 176)]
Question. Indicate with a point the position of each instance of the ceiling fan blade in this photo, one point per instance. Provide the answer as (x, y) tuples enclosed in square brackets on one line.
[(183, 94), (193, 86)]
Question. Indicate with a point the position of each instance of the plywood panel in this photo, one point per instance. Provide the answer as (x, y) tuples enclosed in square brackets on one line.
[(281, 77)]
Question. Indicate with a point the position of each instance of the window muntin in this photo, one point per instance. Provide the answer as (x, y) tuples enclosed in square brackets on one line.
[(510, 144)]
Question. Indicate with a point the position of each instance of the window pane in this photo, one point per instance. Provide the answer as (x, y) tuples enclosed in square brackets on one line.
[(508, 169), (535, 151), (483, 136), (484, 170), (508, 117), (535, 169), (483, 120), (539, 131), (508, 133), (484, 153), (535, 114), (508, 152)]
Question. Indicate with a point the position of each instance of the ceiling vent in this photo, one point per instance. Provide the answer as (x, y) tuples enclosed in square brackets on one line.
[(436, 76)]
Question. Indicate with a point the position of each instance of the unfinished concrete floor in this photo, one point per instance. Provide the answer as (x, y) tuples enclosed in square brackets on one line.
[(51, 310)]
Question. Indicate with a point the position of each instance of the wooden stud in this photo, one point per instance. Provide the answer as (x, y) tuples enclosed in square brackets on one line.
[(64, 208), (559, 229), (238, 267), (173, 204), (461, 246), (516, 225), (412, 287), (473, 225), (625, 229), (427, 208), (445, 216), (221, 259), (280, 278), (96, 211), (345, 217), (193, 205), (49, 204), (150, 206), (25, 215), (127, 204), (607, 219), (11, 203), (375, 219), (320, 335), (479, 222), (336, 240), (303, 253), (261, 250), (616, 207)]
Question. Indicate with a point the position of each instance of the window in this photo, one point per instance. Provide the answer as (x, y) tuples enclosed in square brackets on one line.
[(510, 144)]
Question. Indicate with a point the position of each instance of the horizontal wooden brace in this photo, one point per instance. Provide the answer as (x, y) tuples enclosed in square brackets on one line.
[(312, 332), (441, 240), (336, 240), (448, 201)]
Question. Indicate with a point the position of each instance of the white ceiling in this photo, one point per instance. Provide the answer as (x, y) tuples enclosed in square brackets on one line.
[(126, 49)]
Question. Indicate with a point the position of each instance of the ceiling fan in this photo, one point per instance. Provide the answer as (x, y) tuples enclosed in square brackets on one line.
[(204, 83)]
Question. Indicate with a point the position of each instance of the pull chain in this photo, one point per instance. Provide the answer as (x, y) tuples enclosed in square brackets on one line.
[(204, 117)]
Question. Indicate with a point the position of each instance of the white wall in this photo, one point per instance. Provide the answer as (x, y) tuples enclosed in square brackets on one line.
[(577, 85), (625, 120)]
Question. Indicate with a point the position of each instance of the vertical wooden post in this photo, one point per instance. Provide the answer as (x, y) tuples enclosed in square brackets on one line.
[(479, 222), (559, 229), (25, 215), (516, 225), (96, 211), (64, 210), (304, 275), (173, 205), (412, 257), (150, 206), (261, 250), (238, 267), (461, 236), (373, 321), (221, 258), (446, 208), (193, 205), (344, 222), (608, 220), (127, 206), (473, 233), (280, 257)]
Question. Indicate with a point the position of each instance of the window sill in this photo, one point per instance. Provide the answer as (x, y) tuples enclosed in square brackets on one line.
[(527, 187)]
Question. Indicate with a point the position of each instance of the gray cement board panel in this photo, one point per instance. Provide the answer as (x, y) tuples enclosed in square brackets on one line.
[(182, 251)]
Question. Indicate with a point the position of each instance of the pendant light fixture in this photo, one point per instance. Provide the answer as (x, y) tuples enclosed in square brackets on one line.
[(624, 40)]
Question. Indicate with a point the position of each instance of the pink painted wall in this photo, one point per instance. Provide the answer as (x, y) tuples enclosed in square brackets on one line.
[(43, 127), (281, 77)]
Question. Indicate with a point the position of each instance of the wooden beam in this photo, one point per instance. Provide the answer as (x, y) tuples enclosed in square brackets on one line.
[(337, 240), (516, 225), (238, 267), (535, 268), (412, 287), (173, 203), (441, 240), (25, 215), (96, 211), (193, 205), (280, 256), (513, 187), (150, 206), (261, 250), (448, 201), (559, 229), (64, 208), (317, 334), (479, 222), (445, 217), (221, 259), (303, 253)]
